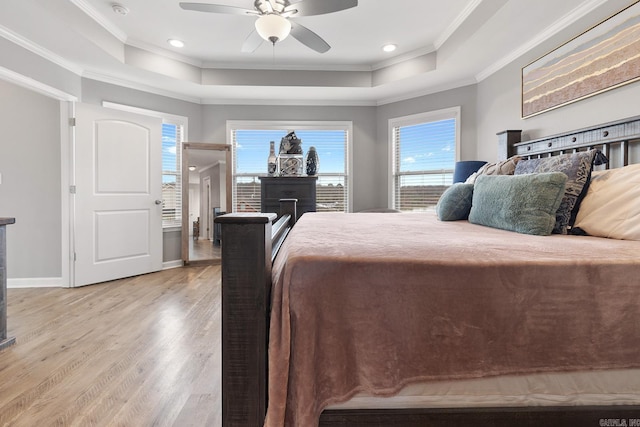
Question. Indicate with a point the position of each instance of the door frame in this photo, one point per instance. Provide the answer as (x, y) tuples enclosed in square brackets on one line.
[(185, 186), (205, 201)]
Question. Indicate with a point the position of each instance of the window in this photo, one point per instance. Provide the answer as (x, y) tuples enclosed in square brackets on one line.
[(424, 149), (171, 175), (174, 131), (250, 141)]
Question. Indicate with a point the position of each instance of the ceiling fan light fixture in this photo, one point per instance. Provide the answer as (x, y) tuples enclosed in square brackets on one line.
[(273, 27)]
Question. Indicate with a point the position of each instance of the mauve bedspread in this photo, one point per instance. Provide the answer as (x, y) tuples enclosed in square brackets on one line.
[(375, 301)]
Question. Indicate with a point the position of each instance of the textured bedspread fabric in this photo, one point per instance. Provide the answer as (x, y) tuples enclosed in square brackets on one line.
[(376, 301)]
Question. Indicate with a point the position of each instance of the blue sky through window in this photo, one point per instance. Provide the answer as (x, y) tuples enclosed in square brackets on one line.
[(169, 151), (428, 146), (253, 149)]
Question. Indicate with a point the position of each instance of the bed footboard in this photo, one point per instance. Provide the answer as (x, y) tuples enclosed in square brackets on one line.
[(250, 243)]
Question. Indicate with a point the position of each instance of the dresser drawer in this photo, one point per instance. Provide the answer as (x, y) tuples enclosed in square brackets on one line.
[(273, 189), (288, 191)]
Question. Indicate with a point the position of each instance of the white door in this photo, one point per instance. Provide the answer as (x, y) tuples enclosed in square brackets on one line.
[(118, 199)]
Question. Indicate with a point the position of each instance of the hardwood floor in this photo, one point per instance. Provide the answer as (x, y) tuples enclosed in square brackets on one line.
[(203, 249), (140, 351)]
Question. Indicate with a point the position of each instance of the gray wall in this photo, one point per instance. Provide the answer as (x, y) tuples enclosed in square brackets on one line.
[(95, 92), (31, 188), (172, 245), (31, 65), (499, 109), (499, 96), (366, 159)]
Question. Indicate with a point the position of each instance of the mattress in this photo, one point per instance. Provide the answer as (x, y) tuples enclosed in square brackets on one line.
[(608, 387), (374, 302)]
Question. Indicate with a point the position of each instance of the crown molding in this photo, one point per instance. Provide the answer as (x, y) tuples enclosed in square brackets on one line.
[(541, 37), (36, 86), (290, 102), (425, 92), (100, 19), (39, 50), (166, 53), (468, 10), (403, 58), (279, 67), (92, 75)]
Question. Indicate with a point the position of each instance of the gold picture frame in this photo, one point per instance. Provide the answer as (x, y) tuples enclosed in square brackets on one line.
[(602, 58)]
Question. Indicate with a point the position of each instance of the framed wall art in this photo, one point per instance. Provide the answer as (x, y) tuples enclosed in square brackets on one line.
[(604, 57)]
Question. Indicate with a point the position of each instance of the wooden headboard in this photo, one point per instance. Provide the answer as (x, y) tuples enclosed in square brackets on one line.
[(618, 140)]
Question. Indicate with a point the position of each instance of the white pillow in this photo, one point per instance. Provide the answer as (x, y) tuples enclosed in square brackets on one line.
[(611, 207)]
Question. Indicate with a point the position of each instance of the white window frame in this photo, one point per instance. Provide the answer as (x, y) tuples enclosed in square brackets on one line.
[(167, 118), (416, 119), (297, 125)]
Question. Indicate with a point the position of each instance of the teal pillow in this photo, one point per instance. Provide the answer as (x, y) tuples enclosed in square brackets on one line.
[(522, 203), (455, 202)]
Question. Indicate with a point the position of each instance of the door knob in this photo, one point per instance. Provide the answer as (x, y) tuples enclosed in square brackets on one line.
[(158, 202)]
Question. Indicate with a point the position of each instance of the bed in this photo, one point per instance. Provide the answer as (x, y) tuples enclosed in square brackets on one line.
[(445, 323)]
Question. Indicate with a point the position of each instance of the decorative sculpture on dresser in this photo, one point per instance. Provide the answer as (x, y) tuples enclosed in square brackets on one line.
[(312, 162), (290, 162)]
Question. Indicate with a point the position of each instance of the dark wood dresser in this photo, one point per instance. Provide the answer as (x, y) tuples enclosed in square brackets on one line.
[(303, 188)]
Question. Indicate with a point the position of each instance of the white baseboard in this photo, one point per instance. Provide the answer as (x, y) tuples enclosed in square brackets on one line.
[(172, 264), (56, 282), (35, 282)]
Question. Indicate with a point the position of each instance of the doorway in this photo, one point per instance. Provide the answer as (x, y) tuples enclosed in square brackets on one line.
[(206, 191)]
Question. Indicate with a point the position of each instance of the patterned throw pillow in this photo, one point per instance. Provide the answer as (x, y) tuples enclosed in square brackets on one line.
[(455, 202), (504, 167), (577, 167)]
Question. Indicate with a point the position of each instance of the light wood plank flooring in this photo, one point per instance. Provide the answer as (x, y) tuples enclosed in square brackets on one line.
[(203, 249), (140, 351)]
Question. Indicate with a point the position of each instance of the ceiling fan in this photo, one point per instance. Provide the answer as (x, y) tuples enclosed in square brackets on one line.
[(274, 21)]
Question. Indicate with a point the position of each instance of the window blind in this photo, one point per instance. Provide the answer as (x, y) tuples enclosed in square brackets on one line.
[(424, 158), (171, 175), (250, 152), (332, 191)]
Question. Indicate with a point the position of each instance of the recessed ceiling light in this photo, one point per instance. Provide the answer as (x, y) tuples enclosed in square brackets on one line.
[(119, 9), (389, 47), (192, 168), (175, 43)]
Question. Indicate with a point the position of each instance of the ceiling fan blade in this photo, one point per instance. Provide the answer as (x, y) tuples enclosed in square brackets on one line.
[(309, 38), (252, 42), (320, 7), (217, 8)]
